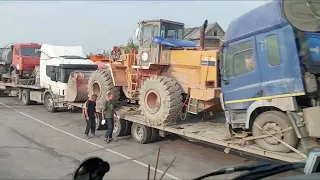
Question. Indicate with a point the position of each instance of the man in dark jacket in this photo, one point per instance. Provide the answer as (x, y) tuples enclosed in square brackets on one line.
[(90, 115), (108, 114)]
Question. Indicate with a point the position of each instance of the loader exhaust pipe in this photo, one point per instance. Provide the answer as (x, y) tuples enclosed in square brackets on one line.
[(202, 33)]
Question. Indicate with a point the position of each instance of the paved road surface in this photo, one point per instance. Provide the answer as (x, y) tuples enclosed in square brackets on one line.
[(36, 144)]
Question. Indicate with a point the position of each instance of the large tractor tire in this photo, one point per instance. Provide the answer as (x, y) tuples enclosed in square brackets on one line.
[(160, 100), (101, 83), (274, 121)]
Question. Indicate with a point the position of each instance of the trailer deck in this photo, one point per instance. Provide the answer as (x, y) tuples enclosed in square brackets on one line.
[(213, 131), (4, 85)]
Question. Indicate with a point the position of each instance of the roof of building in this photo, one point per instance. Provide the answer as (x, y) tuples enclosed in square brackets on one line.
[(194, 33), (262, 19)]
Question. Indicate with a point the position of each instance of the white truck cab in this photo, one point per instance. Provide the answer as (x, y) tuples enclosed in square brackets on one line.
[(56, 64)]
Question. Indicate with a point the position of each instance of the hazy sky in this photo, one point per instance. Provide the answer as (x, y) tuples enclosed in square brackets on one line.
[(102, 24)]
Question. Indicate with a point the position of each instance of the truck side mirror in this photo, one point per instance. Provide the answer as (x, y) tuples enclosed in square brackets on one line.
[(53, 76), (223, 75)]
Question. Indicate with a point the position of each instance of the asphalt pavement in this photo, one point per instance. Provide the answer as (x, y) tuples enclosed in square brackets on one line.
[(36, 144)]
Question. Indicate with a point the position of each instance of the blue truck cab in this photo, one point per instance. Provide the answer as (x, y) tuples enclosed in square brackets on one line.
[(270, 78)]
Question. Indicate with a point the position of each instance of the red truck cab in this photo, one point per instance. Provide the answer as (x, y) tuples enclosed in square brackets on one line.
[(25, 57), (18, 61)]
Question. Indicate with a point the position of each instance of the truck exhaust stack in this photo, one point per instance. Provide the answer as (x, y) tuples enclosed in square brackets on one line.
[(202, 33)]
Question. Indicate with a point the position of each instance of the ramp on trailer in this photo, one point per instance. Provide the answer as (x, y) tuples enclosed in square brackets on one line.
[(213, 131)]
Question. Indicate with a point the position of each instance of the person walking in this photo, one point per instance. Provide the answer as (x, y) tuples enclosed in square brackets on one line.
[(108, 114), (90, 115)]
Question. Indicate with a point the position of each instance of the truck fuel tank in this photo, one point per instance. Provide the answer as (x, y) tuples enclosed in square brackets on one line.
[(5, 55)]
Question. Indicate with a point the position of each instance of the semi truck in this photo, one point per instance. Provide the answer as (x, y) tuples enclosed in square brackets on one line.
[(261, 92), (265, 77), (17, 61), (50, 81)]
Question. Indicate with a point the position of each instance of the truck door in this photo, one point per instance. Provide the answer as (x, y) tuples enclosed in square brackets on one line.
[(276, 79), (240, 74), (146, 41), (16, 61)]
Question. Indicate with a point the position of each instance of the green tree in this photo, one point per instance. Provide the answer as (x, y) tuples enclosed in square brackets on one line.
[(131, 46)]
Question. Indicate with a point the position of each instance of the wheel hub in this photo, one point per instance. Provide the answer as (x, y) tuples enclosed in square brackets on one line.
[(96, 89), (139, 132), (152, 101), (49, 102), (272, 128)]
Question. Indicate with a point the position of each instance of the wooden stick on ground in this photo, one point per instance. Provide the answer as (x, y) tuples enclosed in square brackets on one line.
[(149, 172), (168, 168), (284, 143), (155, 170)]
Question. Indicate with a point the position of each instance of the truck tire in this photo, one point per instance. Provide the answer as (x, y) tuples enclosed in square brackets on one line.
[(155, 135), (15, 77), (141, 133), (101, 83), (160, 100), (99, 126), (25, 97), (273, 121), (49, 103), (119, 127), (128, 128)]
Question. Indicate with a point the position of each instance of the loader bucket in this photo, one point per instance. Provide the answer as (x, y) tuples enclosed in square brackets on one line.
[(78, 86)]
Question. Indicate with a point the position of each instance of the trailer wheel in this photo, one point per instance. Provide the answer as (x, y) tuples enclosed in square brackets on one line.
[(155, 135), (101, 83), (25, 97), (119, 127), (141, 134), (128, 128), (99, 126), (160, 100), (15, 77), (274, 121), (49, 103)]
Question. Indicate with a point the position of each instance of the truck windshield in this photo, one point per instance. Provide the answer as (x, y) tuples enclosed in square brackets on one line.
[(30, 51)]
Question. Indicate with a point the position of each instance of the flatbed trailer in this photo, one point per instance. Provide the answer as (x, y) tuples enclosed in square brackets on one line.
[(213, 131), (4, 85), (30, 94)]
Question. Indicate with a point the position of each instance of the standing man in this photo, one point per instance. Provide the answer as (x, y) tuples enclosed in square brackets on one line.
[(108, 114), (90, 115)]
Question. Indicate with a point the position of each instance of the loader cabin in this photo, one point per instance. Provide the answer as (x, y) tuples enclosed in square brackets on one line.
[(149, 52), (162, 43)]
